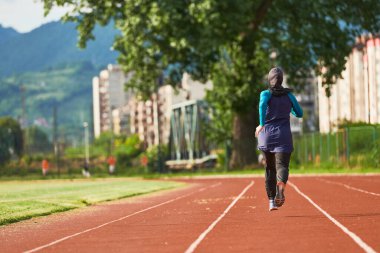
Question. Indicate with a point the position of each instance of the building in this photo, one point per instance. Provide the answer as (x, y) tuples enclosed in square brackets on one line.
[(108, 94), (121, 112), (143, 120), (307, 99), (151, 119), (121, 120), (356, 96)]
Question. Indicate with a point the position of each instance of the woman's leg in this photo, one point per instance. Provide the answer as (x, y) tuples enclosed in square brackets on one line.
[(270, 174), (282, 168)]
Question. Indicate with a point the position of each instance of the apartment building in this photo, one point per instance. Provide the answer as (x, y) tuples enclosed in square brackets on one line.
[(307, 97), (121, 120), (151, 119), (108, 94), (122, 112), (356, 96)]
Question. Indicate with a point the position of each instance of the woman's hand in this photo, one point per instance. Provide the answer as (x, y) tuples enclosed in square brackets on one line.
[(258, 130)]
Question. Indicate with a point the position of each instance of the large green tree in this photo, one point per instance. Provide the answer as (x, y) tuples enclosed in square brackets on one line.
[(230, 43), (11, 139)]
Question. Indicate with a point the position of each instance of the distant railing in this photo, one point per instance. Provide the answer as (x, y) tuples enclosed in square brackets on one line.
[(350, 146)]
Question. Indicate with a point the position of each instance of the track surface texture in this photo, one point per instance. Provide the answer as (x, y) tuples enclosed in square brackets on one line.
[(321, 214)]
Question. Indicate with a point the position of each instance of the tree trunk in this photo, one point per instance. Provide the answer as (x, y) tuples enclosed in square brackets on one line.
[(243, 140)]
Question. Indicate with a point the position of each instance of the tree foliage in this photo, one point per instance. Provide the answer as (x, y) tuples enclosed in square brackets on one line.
[(195, 35), (11, 139), (128, 149), (228, 42), (37, 140)]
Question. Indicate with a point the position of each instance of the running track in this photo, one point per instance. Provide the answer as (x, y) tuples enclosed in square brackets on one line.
[(321, 214)]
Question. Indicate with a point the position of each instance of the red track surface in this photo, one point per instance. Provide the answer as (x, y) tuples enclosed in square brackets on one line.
[(173, 220)]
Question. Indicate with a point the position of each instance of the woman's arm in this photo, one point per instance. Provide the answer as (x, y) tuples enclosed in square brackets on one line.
[(263, 104), (296, 109)]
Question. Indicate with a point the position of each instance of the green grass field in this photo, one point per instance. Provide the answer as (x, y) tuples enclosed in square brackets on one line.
[(20, 200)]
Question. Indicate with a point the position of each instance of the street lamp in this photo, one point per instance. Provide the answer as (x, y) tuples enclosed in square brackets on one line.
[(11, 147), (159, 83), (86, 150)]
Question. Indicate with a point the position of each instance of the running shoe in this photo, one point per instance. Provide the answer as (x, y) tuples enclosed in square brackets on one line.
[(272, 205), (280, 196)]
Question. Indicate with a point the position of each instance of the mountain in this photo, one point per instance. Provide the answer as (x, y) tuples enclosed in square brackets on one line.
[(66, 87), (7, 33), (45, 69), (52, 44)]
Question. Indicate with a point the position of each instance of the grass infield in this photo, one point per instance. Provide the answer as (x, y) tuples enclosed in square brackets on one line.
[(20, 200)]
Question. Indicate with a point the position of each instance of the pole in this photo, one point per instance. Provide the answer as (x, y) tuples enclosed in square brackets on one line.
[(157, 130), (313, 145), (23, 107), (55, 139), (305, 139), (337, 145), (374, 135), (328, 146), (348, 145), (23, 119), (86, 147), (227, 156), (110, 143), (299, 146), (320, 146)]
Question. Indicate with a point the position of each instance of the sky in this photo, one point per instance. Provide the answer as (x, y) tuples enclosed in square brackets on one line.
[(25, 15)]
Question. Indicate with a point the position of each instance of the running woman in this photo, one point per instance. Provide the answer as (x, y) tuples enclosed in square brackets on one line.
[(274, 135)]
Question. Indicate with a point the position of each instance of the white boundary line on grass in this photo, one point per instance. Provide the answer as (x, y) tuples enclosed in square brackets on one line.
[(353, 236), (195, 244), (349, 187), (122, 218)]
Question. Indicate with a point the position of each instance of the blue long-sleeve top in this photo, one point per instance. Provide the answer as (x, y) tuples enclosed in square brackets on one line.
[(266, 95)]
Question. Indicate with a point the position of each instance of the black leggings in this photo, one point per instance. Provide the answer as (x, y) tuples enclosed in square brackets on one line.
[(276, 170)]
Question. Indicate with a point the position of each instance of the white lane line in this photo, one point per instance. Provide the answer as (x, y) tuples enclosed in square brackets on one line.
[(122, 218), (353, 236), (349, 187), (195, 244)]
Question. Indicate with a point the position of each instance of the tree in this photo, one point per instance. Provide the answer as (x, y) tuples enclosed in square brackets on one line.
[(128, 149), (37, 140), (230, 43), (11, 139)]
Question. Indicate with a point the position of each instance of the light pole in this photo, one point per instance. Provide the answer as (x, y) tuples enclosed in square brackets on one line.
[(55, 139), (11, 147), (86, 150), (157, 128)]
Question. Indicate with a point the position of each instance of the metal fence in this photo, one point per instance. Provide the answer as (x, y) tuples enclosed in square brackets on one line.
[(350, 146)]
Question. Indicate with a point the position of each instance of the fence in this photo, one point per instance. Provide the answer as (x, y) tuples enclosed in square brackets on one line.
[(69, 161), (350, 147)]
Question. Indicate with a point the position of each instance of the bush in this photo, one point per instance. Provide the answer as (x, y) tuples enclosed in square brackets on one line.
[(127, 150), (376, 154), (152, 156)]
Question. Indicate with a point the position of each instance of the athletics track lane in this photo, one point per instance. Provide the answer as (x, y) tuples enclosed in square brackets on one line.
[(359, 211), (247, 227), (296, 227), (134, 234)]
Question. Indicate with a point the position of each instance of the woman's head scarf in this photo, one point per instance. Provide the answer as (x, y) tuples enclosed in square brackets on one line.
[(275, 78)]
